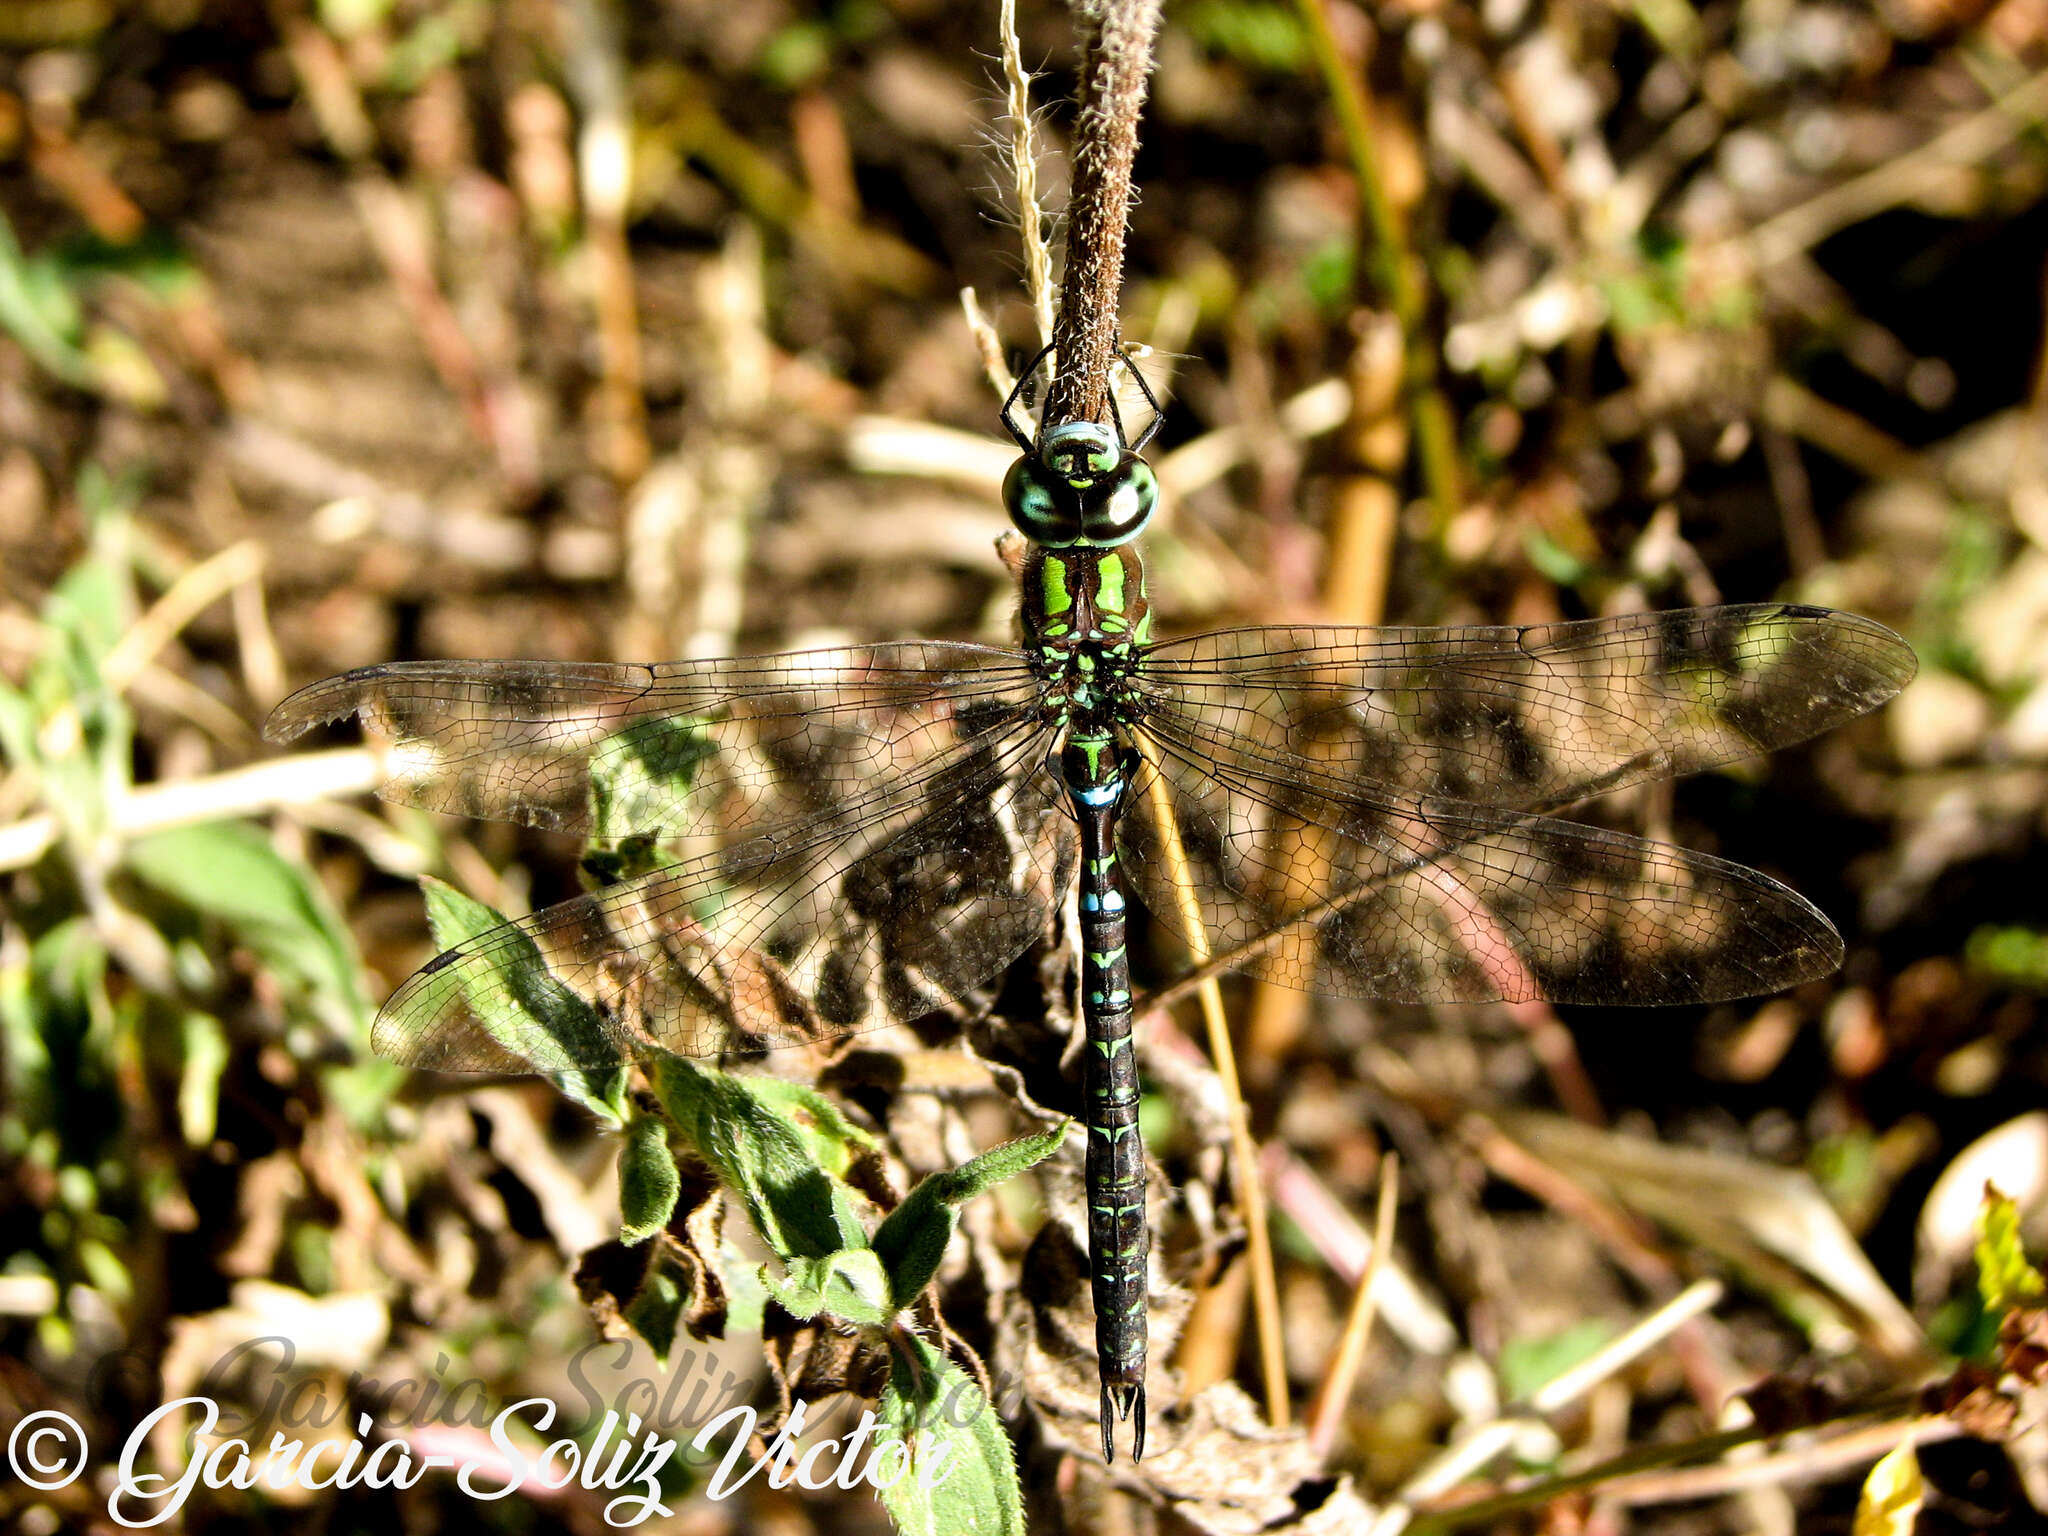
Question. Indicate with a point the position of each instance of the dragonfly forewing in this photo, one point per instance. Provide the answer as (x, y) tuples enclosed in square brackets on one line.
[(1533, 718), (670, 749), (1364, 807), (847, 839)]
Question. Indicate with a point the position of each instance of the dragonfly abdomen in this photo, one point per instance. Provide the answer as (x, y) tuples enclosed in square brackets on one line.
[(1095, 768)]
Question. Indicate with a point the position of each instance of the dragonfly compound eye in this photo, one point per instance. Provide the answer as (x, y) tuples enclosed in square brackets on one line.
[(1119, 508), (1041, 505)]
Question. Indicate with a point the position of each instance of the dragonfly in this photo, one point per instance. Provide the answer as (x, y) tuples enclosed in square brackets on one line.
[(867, 834)]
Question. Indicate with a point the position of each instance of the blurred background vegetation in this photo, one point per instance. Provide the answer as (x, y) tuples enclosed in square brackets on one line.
[(339, 331)]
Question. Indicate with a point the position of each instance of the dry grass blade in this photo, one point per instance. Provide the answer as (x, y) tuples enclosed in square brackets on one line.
[(1023, 156), (1327, 1411)]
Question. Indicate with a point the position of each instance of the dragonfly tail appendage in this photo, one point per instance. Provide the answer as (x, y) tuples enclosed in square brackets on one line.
[(1123, 1400)]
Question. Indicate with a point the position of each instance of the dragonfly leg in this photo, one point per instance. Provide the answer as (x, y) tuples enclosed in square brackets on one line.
[(1023, 439)]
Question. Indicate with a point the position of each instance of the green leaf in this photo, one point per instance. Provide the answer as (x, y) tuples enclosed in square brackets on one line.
[(526, 1007), (799, 1210), (1892, 1495), (958, 1470), (93, 602), (60, 1023), (648, 1181), (18, 723), (912, 1239), (849, 1284), (2009, 956), (1256, 33), (228, 871), (1552, 559), (657, 1306), (42, 315), (797, 54), (199, 1074), (2004, 1277), (104, 1269), (1526, 1364), (645, 774), (831, 1138)]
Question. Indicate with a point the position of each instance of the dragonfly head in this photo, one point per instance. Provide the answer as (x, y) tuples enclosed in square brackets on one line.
[(1080, 485)]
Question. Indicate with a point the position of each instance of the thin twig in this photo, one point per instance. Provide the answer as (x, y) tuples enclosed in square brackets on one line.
[(1809, 1463), (1569, 1385), (989, 344), (1117, 65), (183, 601), (1790, 407), (1653, 1474), (1411, 1316)]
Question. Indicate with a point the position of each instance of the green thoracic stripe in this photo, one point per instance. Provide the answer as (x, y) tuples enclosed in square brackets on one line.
[(1109, 577), (1053, 579)]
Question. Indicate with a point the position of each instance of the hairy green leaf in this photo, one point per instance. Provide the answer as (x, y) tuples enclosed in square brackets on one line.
[(848, 1284), (798, 1208), (912, 1239), (959, 1472), (648, 1181), (526, 1007)]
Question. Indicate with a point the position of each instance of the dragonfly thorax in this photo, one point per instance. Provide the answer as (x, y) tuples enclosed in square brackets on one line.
[(1080, 486), (1086, 623)]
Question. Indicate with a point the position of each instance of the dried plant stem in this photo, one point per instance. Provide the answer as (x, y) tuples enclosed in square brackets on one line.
[(596, 76), (1117, 61), (1395, 267), (1975, 139), (285, 781), (1347, 1248), (1787, 406), (1116, 66), (1654, 1475)]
